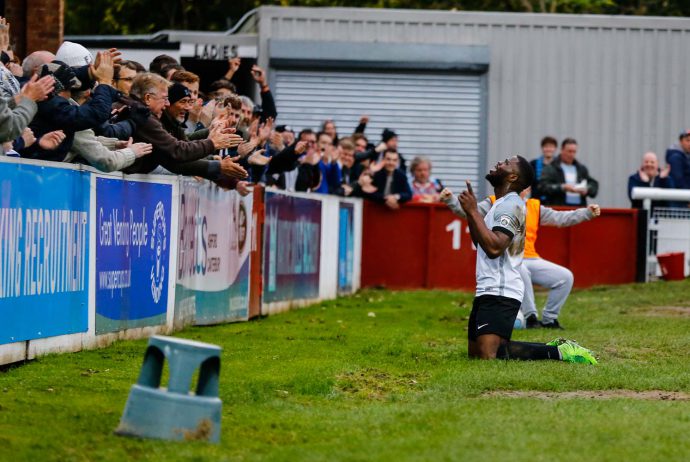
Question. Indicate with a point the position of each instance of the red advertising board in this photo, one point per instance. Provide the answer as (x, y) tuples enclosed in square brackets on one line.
[(426, 246)]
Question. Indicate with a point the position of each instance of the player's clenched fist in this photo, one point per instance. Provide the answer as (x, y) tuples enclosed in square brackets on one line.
[(594, 208), (446, 195)]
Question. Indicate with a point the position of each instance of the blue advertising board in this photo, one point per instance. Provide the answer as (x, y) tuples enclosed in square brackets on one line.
[(292, 248), (346, 247), (44, 251), (132, 253)]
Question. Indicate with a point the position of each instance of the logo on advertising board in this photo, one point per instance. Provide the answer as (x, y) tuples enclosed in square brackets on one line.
[(158, 245), (132, 253), (213, 254)]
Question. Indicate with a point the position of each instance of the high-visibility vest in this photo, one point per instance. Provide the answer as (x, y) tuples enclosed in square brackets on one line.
[(533, 207)]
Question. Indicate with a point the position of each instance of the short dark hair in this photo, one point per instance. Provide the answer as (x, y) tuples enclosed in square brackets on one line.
[(222, 83), (305, 131), (568, 141), (549, 140), (359, 136), (169, 67), (131, 65), (526, 174), (320, 134), (391, 151), (233, 101), (159, 62)]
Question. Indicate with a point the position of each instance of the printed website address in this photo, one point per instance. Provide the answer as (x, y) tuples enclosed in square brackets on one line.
[(111, 280)]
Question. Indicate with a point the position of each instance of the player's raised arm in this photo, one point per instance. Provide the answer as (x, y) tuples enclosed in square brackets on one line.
[(493, 242)]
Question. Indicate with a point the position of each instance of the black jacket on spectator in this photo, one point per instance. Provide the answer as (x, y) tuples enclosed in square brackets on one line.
[(400, 186), (176, 155), (268, 106), (374, 156), (348, 176), (634, 181), (57, 113), (120, 130), (553, 178)]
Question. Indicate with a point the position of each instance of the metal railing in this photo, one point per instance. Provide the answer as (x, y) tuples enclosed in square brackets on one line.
[(668, 228)]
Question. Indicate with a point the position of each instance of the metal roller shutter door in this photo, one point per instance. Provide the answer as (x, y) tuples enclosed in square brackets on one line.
[(435, 115)]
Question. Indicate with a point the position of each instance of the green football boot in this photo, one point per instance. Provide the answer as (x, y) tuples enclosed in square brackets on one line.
[(574, 353), (557, 341)]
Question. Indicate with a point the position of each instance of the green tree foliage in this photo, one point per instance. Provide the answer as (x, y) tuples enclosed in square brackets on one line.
[(146, 16)]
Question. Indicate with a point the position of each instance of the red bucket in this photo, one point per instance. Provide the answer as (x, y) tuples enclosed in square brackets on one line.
[(672, 265)]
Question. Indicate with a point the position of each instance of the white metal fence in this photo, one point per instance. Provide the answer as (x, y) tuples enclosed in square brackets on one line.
[(668, 228)]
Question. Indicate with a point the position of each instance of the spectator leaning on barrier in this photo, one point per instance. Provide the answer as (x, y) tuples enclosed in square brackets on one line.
[(32, 63), (566, 181), (391, 183), (424, 187), (191, 82), (150, 92), (678, 158), (16, 113), (348, 170), (548, 149), (57, 113), (314, 171), (649, 176)]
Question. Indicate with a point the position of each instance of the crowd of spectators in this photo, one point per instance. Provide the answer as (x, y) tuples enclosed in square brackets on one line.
[(561, 180), (116, 115)]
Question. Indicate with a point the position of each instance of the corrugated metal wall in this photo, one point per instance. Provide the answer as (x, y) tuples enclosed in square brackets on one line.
[(442, 122), (618, 85)]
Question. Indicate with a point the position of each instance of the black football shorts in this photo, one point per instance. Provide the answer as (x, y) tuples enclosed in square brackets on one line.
[(492, 314)]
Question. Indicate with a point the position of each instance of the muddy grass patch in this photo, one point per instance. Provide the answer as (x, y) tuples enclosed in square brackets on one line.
[(683, 311), (376, 384), (649, 395), (667, 311)]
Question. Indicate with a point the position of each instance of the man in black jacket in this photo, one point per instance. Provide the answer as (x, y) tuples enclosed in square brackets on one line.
[(392, 187), (566, 181), (57, 113)]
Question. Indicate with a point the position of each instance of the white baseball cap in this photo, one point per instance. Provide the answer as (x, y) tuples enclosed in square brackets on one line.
[(73, 54)]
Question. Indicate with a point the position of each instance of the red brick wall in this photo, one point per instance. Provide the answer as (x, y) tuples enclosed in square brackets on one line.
[(35, 24)]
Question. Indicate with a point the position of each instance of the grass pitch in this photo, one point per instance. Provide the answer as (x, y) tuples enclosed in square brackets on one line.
[(385, 376)]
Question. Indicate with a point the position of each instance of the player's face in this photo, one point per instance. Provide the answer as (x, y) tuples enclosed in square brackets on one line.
[(501, 170)]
